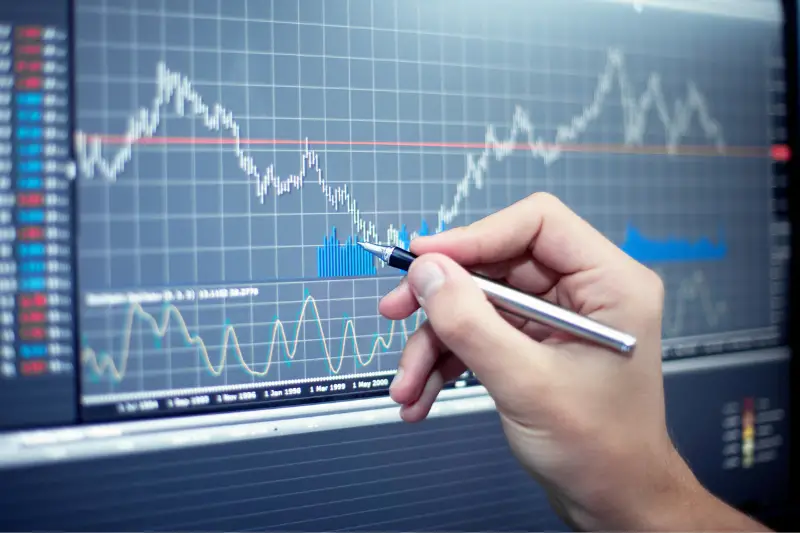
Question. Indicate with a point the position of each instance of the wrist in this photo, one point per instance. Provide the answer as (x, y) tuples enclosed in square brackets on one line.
[(676, 501), (662, 494), (679, 502), (649, 492)]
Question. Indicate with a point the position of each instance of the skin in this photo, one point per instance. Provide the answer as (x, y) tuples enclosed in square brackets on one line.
[(587, 423)]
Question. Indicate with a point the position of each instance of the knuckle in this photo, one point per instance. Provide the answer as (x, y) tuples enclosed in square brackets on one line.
[(545, 200)]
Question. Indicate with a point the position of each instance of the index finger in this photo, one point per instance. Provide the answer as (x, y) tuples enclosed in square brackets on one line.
[(540, 225)]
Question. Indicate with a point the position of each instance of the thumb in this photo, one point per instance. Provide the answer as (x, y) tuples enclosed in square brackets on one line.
[(502, 357)]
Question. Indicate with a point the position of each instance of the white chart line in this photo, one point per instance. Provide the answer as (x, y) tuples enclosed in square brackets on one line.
[(176, 89)]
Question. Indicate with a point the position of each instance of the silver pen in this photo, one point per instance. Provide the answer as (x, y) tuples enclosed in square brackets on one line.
[(522, 305)]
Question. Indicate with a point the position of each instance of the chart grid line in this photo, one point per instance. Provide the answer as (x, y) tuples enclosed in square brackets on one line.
[(385, 121)]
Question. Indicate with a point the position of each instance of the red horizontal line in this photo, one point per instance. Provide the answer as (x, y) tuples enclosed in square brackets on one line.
[(736, 151)]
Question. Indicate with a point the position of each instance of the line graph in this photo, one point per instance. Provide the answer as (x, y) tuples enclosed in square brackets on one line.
[(217, 150), (104, 364), (583, 147), (693, 295), (173, 87)]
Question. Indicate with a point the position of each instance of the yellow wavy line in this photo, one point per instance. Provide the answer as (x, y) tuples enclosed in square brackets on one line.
[(104, 362)]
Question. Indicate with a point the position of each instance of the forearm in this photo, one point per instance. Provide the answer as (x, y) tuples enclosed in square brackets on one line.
[(685, 505), (711, 514)]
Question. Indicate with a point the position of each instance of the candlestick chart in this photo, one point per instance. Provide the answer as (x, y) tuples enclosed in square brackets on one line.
[(235, 154)]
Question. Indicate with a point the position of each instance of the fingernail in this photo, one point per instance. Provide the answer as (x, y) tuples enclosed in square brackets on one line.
[(425, 280), (398, 377)]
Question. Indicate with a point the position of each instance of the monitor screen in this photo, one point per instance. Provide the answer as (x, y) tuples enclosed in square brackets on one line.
[(231, 154), (184, 184)]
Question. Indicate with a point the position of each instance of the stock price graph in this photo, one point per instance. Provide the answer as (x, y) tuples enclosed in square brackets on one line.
[(231, 154), (282, 346)]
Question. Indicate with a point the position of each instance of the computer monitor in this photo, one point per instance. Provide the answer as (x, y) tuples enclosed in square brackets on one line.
[(190, 334)]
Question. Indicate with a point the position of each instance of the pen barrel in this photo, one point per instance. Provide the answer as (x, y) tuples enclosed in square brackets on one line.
[(399, 258), (533, 308)]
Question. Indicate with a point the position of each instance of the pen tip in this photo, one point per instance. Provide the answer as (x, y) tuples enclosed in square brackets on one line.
[(374, 249)]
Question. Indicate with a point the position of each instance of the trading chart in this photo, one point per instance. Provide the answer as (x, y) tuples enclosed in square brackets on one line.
[(231, 154)]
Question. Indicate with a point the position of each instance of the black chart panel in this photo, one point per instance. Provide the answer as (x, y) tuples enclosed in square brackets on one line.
[(231, 154)]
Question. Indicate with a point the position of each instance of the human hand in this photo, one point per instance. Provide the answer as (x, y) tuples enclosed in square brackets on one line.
[(588, 423)]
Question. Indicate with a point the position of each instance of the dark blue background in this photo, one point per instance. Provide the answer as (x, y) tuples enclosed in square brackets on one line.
[(453, 474)]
